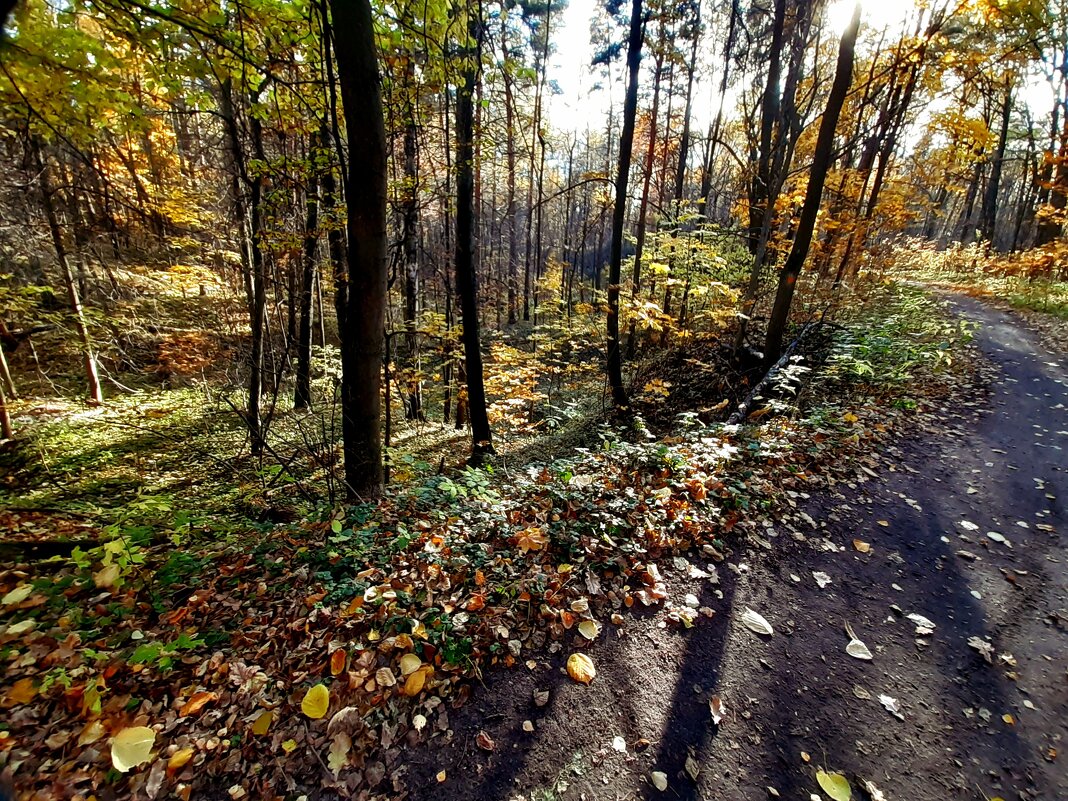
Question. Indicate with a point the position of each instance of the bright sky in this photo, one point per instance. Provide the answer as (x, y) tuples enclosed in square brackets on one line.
[(579, 107)]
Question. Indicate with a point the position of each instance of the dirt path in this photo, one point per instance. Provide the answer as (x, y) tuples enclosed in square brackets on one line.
[(796, 700)]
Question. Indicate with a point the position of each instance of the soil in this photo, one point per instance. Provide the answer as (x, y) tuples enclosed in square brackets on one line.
[(969, 728)]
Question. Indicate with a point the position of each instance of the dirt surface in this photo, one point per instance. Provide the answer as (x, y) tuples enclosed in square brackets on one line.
[(795, 701)]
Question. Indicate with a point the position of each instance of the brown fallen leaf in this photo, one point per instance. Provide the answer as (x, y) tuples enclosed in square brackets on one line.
[(485, 742), (337, 661), (197, 703)]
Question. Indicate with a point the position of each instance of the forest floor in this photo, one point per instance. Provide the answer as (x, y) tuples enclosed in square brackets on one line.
[(430, 631), (961, 522)]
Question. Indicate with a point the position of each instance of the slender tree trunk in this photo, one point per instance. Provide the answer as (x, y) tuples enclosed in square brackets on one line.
[(302, 391), (821, 162), (988, 216), (96, 395), (481, 440), (413, 392), (626, 145), (363, 329), (684, 142)]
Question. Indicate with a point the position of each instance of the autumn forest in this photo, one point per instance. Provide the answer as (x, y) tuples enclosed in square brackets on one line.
[(466, 399)]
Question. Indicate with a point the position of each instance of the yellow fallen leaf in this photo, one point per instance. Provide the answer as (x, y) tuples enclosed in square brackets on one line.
[(835, 785), (263, 722), (92, 732), (316, 702), (1009, 719), (580, 668), (17, 595), (132, 747), (849, 417), (883, 523), (179, 759), (106, 577), (861, 546), (289, 746), (441, 776), (413, 685), (409, 664), (22, 692), (589, 629)]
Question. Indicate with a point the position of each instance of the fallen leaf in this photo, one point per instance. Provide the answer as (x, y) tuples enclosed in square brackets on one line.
[(338, 757), (17, 595), (415, 682), (619, 744), (983, 647), (659, 779), (855, 648), (718, 708), (316, 702), (822, 579), (580, 668), (410, 663), (384, 677), (835, 785), (861, 546), (263, 722), (924, 626), (756, 622), (484, 741), (996, 537), (289, 746), (875, 793), (337, 661), (440, 776), (92, 732), (106, 577), (179, 759), (528, 726), (1009, 719), (532, 539), (196, 703), (21, 692), (968, 525), (589, 629), (890, 705), (132, 747), (692, 768)]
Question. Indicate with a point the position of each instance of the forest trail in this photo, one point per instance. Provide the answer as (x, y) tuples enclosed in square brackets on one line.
[(795, 701)]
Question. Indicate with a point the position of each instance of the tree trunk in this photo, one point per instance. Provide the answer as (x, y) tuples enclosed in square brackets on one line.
[(363, 328), (821, 162), (481, 441), (96, 395), (989, 213), (302, 391), (626, 145)]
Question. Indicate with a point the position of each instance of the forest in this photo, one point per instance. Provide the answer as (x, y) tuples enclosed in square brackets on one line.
[(513, 399)]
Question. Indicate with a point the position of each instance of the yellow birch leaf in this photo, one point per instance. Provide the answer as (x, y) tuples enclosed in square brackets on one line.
[(132, 747), (316, 702)]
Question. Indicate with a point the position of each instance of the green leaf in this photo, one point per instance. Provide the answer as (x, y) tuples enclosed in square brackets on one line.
[(835, 785)]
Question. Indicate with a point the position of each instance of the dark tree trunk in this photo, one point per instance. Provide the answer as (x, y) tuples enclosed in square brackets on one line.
[(302, 391), (626, 145), (989, 213), (821, 162), (363, 327), (481, 441)]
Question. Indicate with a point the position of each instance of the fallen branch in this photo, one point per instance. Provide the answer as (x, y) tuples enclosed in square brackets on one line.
[(742, 411)]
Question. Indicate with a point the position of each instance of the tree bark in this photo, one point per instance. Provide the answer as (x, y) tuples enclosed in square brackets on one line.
[(363, 328), (302, 391), (96, 395), (821, 162), (481, 440), (626, 145)]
